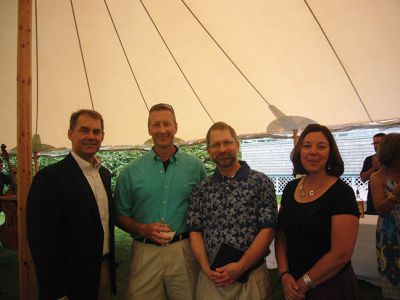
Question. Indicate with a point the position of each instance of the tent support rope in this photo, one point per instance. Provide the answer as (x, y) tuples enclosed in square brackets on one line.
[(176, 62), (126, 56), (83, 58), (226, 54), (340, 61)]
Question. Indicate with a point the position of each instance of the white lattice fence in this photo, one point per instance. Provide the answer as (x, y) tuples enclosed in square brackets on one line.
[(354, 181), (280, 182)]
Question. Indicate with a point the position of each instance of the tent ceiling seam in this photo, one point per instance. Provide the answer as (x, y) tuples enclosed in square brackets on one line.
[(338, 58), (82, 56), (126, 56), (176, 62), (226, 54)]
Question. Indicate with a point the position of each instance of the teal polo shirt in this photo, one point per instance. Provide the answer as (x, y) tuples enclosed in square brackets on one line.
[(148, 193)]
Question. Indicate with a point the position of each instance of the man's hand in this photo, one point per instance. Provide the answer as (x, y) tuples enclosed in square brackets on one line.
[(213, 276), (229, 274), (153, 231)]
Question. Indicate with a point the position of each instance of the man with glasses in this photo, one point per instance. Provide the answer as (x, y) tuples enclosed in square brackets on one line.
[(235, 211), (152, 198), (371, 165)]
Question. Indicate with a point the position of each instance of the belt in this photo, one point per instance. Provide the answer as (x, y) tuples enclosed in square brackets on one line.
[(176, 238)]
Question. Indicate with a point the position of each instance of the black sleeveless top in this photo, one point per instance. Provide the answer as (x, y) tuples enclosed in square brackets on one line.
[(307, 226)]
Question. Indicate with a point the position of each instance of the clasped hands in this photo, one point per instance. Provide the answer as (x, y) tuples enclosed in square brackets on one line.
[(225, 275), (292, 289)]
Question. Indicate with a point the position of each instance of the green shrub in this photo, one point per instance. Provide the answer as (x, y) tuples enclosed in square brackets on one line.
[(115, 161)]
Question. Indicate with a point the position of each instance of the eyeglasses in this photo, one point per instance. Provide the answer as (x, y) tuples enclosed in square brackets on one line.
[(223, 143), (375, 143)]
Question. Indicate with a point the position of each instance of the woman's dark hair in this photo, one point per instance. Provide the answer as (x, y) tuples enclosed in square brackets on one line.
[(389, 149), (334, 165)]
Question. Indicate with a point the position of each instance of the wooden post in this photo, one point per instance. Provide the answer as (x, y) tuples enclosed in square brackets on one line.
[(295, 136), (27, 281)]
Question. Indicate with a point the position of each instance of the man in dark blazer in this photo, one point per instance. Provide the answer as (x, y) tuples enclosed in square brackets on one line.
[(70, 224)]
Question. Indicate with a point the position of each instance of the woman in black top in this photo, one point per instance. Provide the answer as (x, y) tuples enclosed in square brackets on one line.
[(318, 223)]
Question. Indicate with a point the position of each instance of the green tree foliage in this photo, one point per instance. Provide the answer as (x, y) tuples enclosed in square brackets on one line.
[(200, 151), (115, 161), (47, 161)]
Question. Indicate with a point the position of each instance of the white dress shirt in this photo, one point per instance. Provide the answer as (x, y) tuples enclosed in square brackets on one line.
[(92, 175)]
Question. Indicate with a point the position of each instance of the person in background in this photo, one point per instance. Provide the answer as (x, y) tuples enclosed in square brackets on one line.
[(236, 206), (317, 223), (152, 198), (371, 165), (385, 188), (70, 224), (10, 178)]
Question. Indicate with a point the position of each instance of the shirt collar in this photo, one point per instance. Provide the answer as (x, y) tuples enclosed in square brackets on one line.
[(85, 165), (242, 173), (174, 157)]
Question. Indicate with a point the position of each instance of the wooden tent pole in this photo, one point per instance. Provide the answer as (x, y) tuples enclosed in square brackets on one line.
[(27, 281), (295, 136)]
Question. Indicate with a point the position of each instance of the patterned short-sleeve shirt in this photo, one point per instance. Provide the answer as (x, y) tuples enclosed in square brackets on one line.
[(232, 210)]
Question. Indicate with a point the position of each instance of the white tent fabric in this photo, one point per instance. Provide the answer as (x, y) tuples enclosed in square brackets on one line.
[(183, 52)]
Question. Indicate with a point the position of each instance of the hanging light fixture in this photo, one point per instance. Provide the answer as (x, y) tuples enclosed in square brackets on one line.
[(284, 124)]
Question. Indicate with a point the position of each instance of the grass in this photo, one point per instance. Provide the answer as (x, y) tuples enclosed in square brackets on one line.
[(9, 272), (123, 255)]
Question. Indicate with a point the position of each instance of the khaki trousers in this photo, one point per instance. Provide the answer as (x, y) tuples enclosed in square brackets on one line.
[(257, 287), (162, 272)]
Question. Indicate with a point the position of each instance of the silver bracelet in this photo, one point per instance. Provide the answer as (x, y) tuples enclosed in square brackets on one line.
[(308, 282)]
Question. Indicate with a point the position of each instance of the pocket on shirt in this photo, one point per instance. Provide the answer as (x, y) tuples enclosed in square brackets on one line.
[(190, 185)]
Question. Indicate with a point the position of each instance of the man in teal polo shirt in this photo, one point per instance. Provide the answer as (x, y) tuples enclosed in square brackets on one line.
[(152, 198)]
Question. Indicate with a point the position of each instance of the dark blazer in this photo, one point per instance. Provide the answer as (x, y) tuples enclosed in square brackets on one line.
[(65, 234)]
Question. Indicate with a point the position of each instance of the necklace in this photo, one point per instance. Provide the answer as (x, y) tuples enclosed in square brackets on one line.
[(311, 193)]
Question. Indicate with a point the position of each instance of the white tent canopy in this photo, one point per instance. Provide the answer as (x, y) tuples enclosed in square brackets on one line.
[(336, 62)]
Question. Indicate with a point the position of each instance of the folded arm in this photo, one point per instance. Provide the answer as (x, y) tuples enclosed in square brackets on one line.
[(254, 254), (383, 204), (198, 248)]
